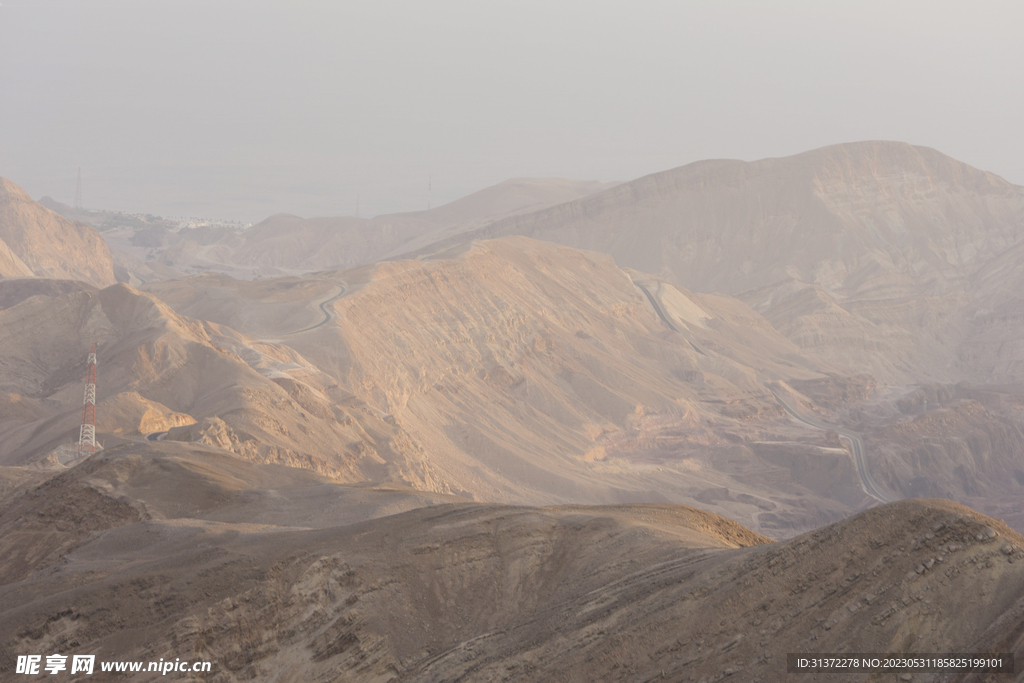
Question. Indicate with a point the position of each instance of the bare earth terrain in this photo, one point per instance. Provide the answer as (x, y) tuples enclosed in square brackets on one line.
[(670, 429), (166, 550)]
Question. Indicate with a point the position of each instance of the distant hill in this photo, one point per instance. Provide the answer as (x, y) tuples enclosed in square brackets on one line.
[(866, 254), (47, 244), (288, 244), (854, 219)]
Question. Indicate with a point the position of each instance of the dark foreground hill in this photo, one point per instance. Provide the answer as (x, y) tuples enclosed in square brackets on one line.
[(150, 551)]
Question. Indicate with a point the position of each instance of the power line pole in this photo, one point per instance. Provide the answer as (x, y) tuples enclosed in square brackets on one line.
[(87, 436), (78, 190)]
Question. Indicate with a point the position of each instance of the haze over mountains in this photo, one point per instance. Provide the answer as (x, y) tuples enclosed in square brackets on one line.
[(784, 343), (873, 256), (285, 244)]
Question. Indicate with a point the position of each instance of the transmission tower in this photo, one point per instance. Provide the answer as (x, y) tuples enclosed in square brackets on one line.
[(87, 437), (78, 190)]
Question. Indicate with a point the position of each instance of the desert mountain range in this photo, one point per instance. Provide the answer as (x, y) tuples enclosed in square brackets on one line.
[(288, 244), (487, 373), (328, 428), (873, 256)]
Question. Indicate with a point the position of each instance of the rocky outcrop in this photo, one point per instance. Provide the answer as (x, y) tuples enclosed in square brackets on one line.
[(49, 245)]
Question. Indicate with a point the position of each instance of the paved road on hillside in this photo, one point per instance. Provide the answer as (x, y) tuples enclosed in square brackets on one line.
[(856, 444), (328, 314), (664, 318)]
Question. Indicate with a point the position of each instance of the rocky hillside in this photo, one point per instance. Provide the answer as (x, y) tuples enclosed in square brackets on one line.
[(528, 372), (512, 371), (873, 256), (532, 373), (160, 372), (270, 573), (35, 239)]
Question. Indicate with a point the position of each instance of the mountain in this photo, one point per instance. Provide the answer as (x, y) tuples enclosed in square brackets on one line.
[(11, 265), (287, 244), (861, 219), (177, 552), (509, 370), (514, 371), (870, 256), (531, 373), (160, 372), (46, 244), (510, 459)]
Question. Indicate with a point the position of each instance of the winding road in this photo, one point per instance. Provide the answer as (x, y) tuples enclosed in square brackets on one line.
[(664, 318), (856, 447), (328, 315), (856, 443), (341, 289)]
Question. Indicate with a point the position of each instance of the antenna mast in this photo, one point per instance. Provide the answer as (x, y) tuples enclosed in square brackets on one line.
[(87, 437), (78, 190), (430, 179)]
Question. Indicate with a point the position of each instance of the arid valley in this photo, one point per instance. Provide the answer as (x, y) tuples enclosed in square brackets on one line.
[(667, 429)]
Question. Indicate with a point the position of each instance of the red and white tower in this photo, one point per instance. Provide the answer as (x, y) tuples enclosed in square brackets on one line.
[(87, 437)]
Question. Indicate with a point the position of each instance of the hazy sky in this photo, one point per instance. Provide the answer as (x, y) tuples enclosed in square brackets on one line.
[(241, 109)]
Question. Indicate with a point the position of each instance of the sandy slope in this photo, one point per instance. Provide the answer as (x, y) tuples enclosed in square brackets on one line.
[(527, 372), (11, 265)]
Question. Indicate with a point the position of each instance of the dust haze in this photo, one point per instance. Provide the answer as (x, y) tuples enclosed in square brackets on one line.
[(443, 342), (244, 109)]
